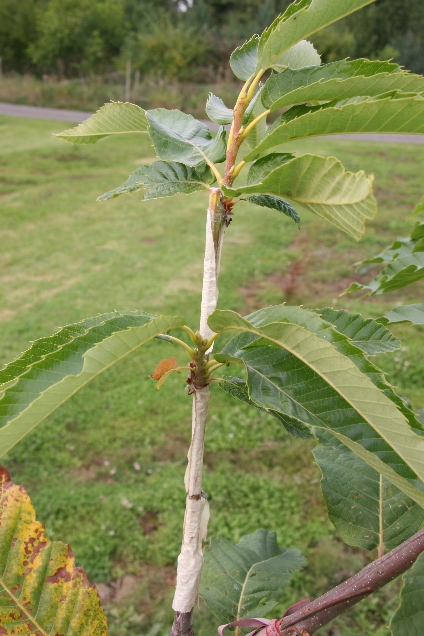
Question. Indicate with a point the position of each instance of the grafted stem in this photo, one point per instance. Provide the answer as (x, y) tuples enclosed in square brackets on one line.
[(196, 517)]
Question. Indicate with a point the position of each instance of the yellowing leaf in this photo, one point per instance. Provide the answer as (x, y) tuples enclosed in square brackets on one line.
[(41, 590)]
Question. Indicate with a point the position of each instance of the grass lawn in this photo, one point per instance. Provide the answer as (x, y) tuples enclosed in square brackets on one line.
[(105, 472)]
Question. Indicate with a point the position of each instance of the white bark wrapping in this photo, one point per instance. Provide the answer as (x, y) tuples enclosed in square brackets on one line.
[(190, 560), (210, 278), (196, 517), (199, 416)]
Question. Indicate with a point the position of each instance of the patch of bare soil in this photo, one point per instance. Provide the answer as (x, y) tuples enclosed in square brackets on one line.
[(315, 274), (143, 589)]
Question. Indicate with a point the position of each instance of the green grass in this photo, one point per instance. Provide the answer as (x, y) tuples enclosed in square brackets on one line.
[(105, 471)]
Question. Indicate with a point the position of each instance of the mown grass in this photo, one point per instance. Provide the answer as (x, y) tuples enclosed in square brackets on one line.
[(105, 471)]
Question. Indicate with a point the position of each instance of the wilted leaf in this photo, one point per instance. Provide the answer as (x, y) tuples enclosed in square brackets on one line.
[(366, 509), (163, 367), (164, 179), (115, 118), (317, 184), (55, 368), (238, 581), (337, 81), (41, 590)]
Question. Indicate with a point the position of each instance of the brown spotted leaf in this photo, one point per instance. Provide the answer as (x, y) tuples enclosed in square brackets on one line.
[(163, 367), (42, 593)]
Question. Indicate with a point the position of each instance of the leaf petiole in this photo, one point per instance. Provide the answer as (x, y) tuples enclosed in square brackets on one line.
[(238, 168), (215, 367), (183, 344), (253, 123)]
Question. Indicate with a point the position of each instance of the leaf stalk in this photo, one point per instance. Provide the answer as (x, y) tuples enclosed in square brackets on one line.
[(254, 122), (183, 344)]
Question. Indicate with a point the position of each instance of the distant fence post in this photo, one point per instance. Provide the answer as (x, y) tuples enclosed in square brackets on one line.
[(1, 69), (128, 81)]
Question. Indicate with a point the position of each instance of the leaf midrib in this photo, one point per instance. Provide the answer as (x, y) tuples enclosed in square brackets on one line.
[(246, 581), (68, 396), (330, 383)]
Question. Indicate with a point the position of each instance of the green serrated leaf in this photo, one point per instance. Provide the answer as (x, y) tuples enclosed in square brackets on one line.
[(419, 207), (42, 592), (337, 81), (115, 118), (217, 111), (319, 185), (367, 334), (182, 138), (338, 331), (216, 150), (408, 619), (312, 373), (403, 261), (366, 509), (301, 19), (244, 59), (55, 368), (177, 136), (275, 203), (163, 179), (412, 489), (259, 170), (238, 388), (389, 113), (303, 54), (405, 313), (240, 580)]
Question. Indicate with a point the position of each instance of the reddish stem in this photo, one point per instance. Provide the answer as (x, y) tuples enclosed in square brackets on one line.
[(313, 616)]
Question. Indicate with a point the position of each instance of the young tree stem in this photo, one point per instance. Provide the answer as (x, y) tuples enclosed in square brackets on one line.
[(196, 517)]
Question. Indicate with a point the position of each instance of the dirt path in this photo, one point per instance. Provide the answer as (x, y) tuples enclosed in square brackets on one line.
[(37, 112)]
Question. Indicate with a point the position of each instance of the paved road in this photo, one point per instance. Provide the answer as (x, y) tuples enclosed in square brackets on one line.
[(77, 116)]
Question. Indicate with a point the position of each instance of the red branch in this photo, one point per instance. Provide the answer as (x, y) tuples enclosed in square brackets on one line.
[(313, 616)]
